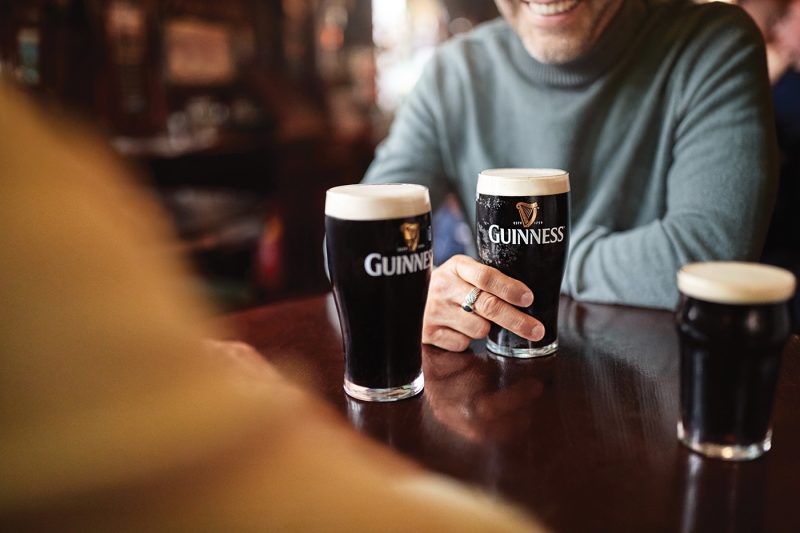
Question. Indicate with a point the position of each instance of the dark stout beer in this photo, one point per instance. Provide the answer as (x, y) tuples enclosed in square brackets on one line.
[(378, 244), (523, 231), (733, 323)]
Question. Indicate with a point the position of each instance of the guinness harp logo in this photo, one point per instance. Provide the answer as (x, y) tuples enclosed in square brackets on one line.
[(527, 213), (410, 235)]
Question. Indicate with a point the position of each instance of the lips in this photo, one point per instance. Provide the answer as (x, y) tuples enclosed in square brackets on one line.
[(549, 9)]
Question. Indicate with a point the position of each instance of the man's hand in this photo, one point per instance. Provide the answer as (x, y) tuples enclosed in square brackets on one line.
[(448, 326)]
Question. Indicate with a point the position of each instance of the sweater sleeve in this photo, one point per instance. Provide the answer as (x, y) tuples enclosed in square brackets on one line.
[(719, 188), (412, 152)]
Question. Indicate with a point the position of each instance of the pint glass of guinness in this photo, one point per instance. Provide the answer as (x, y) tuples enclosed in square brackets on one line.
[(379, 256), (523, 231), (733, 323)]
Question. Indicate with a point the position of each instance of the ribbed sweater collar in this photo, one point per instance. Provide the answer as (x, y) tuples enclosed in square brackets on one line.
[(621, 31)]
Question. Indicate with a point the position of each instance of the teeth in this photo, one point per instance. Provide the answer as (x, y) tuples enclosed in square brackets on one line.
[(552, 8)]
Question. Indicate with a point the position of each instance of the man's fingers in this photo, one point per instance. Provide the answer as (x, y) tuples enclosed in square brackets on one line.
[(488, 306), (505, 315), (447, 310), (446, 338), (470, 324), (450, 327), (493, 281)]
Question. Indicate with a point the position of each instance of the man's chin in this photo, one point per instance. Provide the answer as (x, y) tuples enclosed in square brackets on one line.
[(553, 53)]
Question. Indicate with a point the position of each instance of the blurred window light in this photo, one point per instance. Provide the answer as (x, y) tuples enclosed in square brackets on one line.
[(405, 33)]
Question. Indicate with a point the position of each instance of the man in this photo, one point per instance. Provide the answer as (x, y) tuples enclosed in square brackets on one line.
[(658, 109)]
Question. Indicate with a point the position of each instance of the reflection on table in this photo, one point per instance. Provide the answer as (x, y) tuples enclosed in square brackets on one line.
[(584, 439)]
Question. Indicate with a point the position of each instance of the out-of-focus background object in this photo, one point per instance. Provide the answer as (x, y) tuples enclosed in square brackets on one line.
[(237, 114), (116, 415), (779, 22)]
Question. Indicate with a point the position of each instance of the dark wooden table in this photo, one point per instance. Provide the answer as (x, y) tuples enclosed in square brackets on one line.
[(584, 439)]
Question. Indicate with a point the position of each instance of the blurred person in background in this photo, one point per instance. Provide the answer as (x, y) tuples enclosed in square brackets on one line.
[(766, 14), (779, 22), (659, 110), (116, 414)]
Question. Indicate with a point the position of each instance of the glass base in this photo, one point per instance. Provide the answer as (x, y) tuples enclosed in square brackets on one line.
[(390, 394), (728, 452), (522, 353)]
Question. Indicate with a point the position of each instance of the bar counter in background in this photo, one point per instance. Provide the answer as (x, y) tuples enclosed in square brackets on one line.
[(239, 114)]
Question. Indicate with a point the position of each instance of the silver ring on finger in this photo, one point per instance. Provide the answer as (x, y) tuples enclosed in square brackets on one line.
[(470, 299)]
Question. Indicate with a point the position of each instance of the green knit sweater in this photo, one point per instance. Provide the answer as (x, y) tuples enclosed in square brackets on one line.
[(665, 127)]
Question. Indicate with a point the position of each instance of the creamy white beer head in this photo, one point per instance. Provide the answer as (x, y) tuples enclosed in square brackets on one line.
[(377, 201), (523, 181), (736, 283)]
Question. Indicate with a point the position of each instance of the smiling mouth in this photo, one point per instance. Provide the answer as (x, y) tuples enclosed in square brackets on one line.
[(550, 9)]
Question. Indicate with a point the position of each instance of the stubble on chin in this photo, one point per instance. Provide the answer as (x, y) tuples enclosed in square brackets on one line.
[(553, 50), (561, 46)]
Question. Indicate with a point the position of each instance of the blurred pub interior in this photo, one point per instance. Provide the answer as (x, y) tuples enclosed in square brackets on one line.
[(238, 115)]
